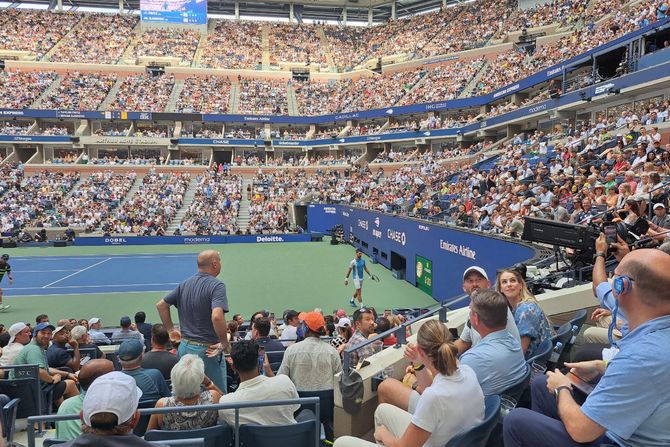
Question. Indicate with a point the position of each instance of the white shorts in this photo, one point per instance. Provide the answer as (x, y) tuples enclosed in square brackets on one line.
[(358, 283)]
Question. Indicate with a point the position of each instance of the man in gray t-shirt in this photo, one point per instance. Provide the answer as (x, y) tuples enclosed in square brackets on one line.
[(201, 303), (475, 278)]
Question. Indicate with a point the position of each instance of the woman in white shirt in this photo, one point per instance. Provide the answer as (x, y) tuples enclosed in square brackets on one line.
[(452, 403)]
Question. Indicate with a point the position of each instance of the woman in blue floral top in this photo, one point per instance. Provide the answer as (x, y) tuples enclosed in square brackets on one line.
[(531, 321)]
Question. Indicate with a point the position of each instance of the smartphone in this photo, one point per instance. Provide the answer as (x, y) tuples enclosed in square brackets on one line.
[(387, 312), (609, 228), (261, 360), (579, 383)]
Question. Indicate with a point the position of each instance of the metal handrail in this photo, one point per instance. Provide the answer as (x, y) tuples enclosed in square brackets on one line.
[(400, 331), (187, 408), (650, 211)]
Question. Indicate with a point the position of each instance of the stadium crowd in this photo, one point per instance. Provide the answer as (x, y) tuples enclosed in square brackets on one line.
[(20, 89), (204, 95), (233, 44), (157, 42), (144, 93), (263, 97), (79, 91)]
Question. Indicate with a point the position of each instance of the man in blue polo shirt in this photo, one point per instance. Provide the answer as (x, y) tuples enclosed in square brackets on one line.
[(630, 405), (150, 381), (497, 359)]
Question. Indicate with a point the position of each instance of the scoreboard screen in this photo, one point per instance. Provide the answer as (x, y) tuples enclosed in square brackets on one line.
[(191, 12)]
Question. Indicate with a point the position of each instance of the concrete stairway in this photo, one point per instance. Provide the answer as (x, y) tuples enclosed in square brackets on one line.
[(265, 44), (467, 91), (201, 46), (234, 98), (104, 105), (47, 92), (292, 101), (133, 190), (243, 216), (326, 47), (174, 96), (127, 57), (181, 212), (52, 51)]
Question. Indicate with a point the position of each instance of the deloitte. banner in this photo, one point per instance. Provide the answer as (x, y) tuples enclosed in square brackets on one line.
[(397, 241), (191, 240)]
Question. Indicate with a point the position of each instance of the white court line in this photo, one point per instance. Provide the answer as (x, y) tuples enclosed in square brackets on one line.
[(88, 293), (76, 273), (101, 286), (90, 258), (42, 271)]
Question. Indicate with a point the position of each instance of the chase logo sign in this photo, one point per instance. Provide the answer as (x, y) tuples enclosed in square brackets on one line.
[(397, 236)]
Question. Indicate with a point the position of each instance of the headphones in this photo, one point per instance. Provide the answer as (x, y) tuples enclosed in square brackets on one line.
[(622, 284)]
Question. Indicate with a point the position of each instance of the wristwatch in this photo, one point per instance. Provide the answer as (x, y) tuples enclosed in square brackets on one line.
[(418, 367), (415, 385), (598, 254), (558, 390)]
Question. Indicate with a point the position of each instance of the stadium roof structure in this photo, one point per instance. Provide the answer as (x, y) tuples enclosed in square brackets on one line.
[(303, 10)]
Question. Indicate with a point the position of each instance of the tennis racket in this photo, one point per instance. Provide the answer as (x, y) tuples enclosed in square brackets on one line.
[(374, 278)]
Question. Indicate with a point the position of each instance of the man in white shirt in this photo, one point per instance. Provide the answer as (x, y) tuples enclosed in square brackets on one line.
[(19, 337), (260, 387), (290, 333)]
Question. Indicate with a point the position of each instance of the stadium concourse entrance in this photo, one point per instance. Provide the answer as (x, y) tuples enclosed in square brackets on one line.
[(398, 265)]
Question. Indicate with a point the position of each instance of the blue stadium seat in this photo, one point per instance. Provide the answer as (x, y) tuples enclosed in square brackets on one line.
[(543, 353), (216, 436), (142, 424), (517, 390), (479, 435), (302, 434)]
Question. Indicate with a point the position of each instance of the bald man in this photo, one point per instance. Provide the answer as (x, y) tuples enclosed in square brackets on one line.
[(93, 369), (630, 405), (201, 304)]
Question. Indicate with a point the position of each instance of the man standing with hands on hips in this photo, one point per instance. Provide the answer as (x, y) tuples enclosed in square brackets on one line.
[(201, 304)]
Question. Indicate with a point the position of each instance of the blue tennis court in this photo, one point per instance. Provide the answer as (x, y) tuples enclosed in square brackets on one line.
[(98, 274)]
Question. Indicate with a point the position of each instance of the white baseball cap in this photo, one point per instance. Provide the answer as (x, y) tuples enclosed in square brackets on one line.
[(115, 393), (93, 320), (475, 268), (658, 205), (14, 330), (343, 322)]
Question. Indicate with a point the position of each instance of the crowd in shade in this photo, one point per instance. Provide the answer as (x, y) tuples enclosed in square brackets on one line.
[(93, 200), (20, 89), (215, 206), (79, 91), (271, 194), (151, 209), (10, 128), (263, 97), (233, 44), (158, 42), (32, 200), (98, 39), (204, 95), (144, 93)]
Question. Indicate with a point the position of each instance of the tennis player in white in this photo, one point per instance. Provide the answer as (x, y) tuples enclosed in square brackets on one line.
[(357, 265)]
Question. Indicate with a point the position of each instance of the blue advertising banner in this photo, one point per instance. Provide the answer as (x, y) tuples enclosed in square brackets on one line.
[(191, 240), (396, 242), (221, 142), (34, 139)]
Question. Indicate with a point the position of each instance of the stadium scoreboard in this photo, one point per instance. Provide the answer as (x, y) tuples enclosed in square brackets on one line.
[(185, 12)]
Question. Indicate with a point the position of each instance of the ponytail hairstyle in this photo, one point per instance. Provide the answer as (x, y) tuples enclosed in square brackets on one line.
[(435, 340)]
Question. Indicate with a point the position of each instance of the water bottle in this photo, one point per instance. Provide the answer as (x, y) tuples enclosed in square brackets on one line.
[(261, 360), (575, 330), (556, 353)]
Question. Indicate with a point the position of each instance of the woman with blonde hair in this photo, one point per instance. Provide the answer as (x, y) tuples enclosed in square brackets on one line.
[(533, 325), (187, 377), (452, 403)]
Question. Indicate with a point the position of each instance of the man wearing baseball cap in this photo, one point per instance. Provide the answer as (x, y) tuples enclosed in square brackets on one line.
[(97, 336), (474, 278), (19, 336), (150, 381), (109, 413), (661, 218), (312, 364), (34, 353), (127, 332)]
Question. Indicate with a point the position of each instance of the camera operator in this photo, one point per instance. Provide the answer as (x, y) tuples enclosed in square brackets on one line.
[(630, 405)]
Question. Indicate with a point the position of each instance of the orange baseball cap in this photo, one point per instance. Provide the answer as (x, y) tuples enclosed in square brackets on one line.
[(314, 321)]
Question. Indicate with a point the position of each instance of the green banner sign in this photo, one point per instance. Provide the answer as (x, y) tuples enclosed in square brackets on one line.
[(424, 274)]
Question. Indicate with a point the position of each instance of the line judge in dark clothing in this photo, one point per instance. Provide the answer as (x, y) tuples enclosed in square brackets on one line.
[(201, 304)]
